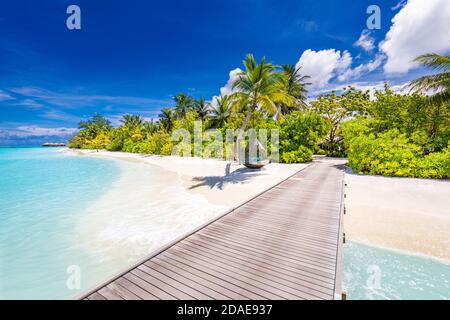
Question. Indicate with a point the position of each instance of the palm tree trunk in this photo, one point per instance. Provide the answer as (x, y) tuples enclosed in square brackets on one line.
[(241, 131)]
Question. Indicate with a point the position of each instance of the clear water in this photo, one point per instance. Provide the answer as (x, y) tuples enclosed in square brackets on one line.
[(41, 191), (372, 273), (64, 216)]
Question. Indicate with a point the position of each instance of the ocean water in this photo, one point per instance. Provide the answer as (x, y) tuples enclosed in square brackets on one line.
[(70, 222), (372, 273)]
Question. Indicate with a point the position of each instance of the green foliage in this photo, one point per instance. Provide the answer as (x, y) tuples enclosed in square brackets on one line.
[(387, 134), (300, 132), (336, 109), (302, 154), (392, 153)]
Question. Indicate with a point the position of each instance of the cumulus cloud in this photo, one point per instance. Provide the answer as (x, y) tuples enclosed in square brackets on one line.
[(361, 69), (323, 65), (365, 41), (370, 86), (419, 27), (227, 89)]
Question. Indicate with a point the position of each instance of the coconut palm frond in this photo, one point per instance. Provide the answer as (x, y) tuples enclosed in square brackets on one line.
[(434, 61)]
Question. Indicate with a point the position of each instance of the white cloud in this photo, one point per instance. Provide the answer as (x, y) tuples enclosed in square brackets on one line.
[(399, 5), (371, 86), (30, 103), (361, 69), (5, 96), (228, 88), (37, 131), (323, 65), (71, 100), (365, 41), (419, 27)]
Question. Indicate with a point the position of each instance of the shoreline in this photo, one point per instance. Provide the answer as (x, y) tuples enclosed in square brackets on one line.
[(402, 214), (408, 215), (221, 182)]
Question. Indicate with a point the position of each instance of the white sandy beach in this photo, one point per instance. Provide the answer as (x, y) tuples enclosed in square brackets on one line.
[(400, 213), (220, 182), (158, 199), (412, 215)]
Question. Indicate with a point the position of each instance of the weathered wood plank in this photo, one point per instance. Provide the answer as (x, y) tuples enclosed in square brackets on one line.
[(283, 244)]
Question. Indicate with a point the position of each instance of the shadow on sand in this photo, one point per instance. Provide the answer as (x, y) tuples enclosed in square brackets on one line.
[(240, 175)]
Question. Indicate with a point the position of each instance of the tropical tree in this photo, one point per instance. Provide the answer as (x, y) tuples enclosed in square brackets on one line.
[(95, 125), (149, 127), (295, 85), (100, 141), (166, 118), (183, 103), (202, 108), (258, 87), (438, 83), (132, 122), (335, 109), (221, 112)]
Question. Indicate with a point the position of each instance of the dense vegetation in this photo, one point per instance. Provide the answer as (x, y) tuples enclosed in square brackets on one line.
[(389, 134)]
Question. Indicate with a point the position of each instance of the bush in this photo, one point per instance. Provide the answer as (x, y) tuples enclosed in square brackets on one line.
[(299, 134), (303, 154), (435, 165), (394, 154)]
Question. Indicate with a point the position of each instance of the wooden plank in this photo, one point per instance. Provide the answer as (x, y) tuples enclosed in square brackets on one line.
[(268, 262), (283, 244), (160, 285)]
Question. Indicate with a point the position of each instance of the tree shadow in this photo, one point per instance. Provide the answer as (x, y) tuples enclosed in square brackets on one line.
[(240, 175)]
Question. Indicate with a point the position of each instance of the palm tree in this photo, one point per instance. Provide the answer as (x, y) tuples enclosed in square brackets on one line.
[(438, 83), (294, 84), (184, 103), (149, 127), (166, 118), (221, 113), (258, 87), (202, 108), (95, 125), (132, 121)]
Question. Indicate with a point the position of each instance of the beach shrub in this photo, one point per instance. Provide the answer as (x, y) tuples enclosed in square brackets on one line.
[(388, 154), (392, 153), (435, 165), (302, 154), (299, 134), (76, 142)]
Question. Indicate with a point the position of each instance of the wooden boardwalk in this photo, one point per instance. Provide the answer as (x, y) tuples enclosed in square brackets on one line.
[(282, 244)]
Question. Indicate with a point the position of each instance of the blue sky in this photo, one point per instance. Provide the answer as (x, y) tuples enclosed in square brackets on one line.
[(134, 56)]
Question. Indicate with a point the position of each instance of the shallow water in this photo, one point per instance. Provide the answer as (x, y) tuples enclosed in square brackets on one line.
[(379, 274), (65, 218)]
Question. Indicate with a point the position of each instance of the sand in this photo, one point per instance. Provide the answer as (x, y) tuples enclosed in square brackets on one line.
[(220, 182), (407, 214), (411, 215)]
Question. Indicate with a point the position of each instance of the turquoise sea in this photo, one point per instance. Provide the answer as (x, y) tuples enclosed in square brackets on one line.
[(372, 273), (63, 215), (41, 192), (68, 222)]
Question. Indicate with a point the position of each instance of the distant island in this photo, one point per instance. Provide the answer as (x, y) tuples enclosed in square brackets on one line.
[(53, 144)]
